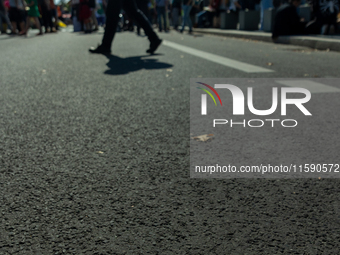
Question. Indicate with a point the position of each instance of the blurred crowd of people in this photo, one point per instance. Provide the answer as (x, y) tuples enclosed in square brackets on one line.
[(18, 14), (88, 15), (163, 13), (287, 21), (85, 12), (324, 18)]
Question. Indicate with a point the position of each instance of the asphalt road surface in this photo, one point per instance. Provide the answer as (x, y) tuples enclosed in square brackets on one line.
[(94, 151)]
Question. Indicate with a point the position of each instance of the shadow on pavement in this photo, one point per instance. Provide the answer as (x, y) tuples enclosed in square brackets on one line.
[(120, 65)]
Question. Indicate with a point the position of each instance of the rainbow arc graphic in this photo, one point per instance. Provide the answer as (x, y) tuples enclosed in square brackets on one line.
[(204, 97), (208, 92)]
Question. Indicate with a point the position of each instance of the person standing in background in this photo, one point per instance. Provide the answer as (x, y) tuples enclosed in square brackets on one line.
[(85, 16), (186, 7), (100, 13), (161, 9), (235, 6), (46, 15), (93, 7), (287, 21), (326, 16), (175, 12), (265, 4), (77, 26), (33, 12), (17, 15), (104, 6), (195, 9), (4, 15), (152, 12), (53, 14)]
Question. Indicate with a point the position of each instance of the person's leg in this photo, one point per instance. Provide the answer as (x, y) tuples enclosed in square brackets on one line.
[(22, 28), (158, 9), (263, 6), (56, 23), (47, 18), (90, 23), (112, 17), (112, 14), (145, 10), (151, 16), (37, 23), (50, 20), (88, 26), (160, 17), (94, 19), (13, 18), (100, 21), (333, 24), (8, 22), (185, 16), (175, 13), (27, 24), (189, 19), (44, 15), (22, 17), (130, 7), (14, 27), (2, 15), (199, 19), (164, 14), (172, 18)]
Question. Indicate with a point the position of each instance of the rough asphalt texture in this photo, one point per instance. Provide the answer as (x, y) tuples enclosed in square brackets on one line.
[(95, 154)]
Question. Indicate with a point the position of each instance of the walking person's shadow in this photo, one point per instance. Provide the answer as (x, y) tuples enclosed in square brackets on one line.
[(120, 65)]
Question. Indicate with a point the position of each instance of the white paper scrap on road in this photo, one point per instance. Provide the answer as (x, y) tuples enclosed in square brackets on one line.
[(244, 67), (312, 86)]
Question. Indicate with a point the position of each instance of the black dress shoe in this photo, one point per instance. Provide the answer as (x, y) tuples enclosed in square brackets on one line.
[(100, 50), (154, 45)]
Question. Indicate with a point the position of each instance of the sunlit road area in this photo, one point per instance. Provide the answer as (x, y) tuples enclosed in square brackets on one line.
[(95, 150)]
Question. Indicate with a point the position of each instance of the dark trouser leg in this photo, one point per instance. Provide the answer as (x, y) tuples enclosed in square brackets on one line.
[(144, 8), (5, 17), (112, 17), (52, 15), (45, 16), (164, 13), (160, 16), (131, 8), (175, 13)]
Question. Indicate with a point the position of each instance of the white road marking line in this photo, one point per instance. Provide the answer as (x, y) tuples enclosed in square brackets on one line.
[(244, 67), (312, 86)]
